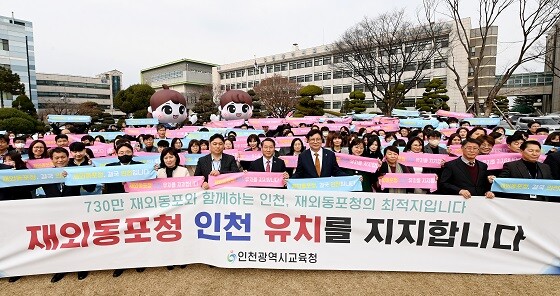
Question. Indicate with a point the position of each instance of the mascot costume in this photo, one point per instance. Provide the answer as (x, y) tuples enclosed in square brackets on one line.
[(236, 104), (168, 106)]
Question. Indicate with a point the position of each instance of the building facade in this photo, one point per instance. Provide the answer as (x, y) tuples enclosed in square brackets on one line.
[(17, 52), (318, 66), (189, 77), (552, 65), (58, 88)]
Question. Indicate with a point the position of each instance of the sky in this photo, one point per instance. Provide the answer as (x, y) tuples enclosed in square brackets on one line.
[(90, 37)]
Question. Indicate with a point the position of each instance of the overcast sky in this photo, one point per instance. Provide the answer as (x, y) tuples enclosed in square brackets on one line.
[(91, 37)]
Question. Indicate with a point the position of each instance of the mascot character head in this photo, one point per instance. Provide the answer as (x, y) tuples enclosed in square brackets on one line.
[(236, 104), (168, 106)]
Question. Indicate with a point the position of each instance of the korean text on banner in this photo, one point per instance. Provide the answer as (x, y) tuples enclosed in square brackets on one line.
[(527, 186), (350, 183), (247, 179), (280, 229), (164, 184), (118, 173), (10, 178), (409, 181)]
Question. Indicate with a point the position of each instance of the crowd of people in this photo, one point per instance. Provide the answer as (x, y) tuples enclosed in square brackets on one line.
[(464, 175)]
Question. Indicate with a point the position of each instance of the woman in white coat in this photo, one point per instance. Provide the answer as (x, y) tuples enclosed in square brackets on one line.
[(170, 167)]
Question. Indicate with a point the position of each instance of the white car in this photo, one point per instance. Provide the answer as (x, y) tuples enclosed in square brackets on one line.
[(548, 122)]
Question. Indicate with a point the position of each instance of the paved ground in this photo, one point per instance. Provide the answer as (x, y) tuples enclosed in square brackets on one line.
[(199, 279)]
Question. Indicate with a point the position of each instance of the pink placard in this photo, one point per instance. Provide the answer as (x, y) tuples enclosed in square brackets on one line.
[(272, 123), (42, 163), (538, 138), (295, 121), (300, 131), (227, 124), (425, 160), (247, 179), (359, 163), (249, 155), (290, 161), (164, 184), (457, 115), (406, 181)]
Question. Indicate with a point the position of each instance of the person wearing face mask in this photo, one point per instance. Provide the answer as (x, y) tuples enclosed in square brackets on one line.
[(19, 145), (453, 122), (125, 152), (434, 138)]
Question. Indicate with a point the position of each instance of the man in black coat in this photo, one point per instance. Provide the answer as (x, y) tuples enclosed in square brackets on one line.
[(465, 175), (268, 162), (317, 162), (216, 162), (528, 167), (60, 158)]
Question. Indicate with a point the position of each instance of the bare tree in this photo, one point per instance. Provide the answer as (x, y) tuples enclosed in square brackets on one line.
[(278, 95), (388, 54), (62, 106), (535, 19)]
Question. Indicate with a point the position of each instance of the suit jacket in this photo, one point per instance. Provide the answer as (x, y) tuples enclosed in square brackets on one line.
[(278, 165), (517, 169), (306, 166), (553, 161), (455, 177), (204, 165), (59, 189), (116, 187)]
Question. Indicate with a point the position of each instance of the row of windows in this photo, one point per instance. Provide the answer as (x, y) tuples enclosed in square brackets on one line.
[(73, 84), (166, 76), (407, 102), (327, 60), (71, 95)]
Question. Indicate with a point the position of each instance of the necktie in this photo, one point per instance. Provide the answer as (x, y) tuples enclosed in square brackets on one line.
[(317, 164), (268, 166), (471, 163)]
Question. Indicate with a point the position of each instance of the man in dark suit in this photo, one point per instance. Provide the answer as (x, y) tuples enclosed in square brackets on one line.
[(216, 162), (465, 175), (268, 162), (317, 162), (553, 161), (528, 167)]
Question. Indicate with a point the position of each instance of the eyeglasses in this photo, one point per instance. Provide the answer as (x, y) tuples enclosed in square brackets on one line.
[(315, 140)]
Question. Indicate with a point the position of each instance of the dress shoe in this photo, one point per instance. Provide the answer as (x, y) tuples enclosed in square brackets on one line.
[(170, 267), (118, 272), (57, 277), (13, 279), (140, 269), (183, 266), (82, 275)]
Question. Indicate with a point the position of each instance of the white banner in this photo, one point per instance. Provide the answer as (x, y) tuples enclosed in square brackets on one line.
[(279, 229)]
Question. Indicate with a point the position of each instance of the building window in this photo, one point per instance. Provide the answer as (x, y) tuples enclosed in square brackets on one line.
[(222, 87), (410, 67), (327, 75), (269, 68), (359, 87), (238, 86), (308, 63), (222, 76), (337, 74), (337, 89), (326, 105), (293, 78), (300, 79), (473, 51), (243, 85), (240, 73), (5, 45), (439, 64), (257, 83), (308, 78), (347, 89), (347, 74), (326, 90), (250, 71), (425, 66), (442, 42), (283, 67), (227, 75), (250, 84), (337, 105), (276, 67), (317, 77), (318, 61), (301, 64), (326, 60), (293, 65), (337, 59)]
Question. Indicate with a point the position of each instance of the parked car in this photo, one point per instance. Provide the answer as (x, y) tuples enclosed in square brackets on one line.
[(547, 122)]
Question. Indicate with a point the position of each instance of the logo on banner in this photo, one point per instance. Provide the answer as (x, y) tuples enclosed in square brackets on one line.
[(231, 256)]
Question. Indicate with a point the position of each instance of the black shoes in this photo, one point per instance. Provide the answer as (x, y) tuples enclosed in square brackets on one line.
[(140, 269), (183, 266), (118, 272), (57, 277), (170, 267), (13, 279), (82, 275)]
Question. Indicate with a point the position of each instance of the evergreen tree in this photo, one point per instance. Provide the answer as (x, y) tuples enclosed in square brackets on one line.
[(434, 98), (257, 105), (345, 106), (134, 98), (307, 105), (23, 103), (503, 105), (357, 102), (524, 104), (204, 107), (9, 84)]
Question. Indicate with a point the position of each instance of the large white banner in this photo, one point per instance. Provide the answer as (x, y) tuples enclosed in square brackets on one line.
[(281, 229)]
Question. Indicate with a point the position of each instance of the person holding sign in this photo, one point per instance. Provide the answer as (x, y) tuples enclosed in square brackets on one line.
[(170, 167), (216, 162), (392, 165), (124, 153), (268, 162), (528, 167), (317, 162), (465, 175)]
